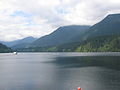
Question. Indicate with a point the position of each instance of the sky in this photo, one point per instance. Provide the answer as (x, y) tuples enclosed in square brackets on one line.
[(23, 18)]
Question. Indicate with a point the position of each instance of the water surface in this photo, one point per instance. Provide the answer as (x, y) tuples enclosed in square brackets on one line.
[(60, 71)]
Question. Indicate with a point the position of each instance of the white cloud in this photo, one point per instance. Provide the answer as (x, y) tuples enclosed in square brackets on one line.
[(22, 18), (90, 12)]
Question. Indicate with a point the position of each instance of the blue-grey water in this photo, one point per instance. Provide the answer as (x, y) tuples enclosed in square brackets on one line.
[(60, 71)]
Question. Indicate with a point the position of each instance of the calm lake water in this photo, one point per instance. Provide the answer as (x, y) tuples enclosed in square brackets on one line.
[(60, 71)]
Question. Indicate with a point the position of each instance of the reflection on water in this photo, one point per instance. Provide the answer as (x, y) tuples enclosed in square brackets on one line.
[(91, 72), (112, 62), (61, 71)]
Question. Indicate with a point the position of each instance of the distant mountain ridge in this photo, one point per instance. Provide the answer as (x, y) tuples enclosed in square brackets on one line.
[(62, 35), (21, 43)]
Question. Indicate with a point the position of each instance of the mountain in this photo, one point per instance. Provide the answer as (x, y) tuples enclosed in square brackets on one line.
[(110, 43), (4, 49), (110, 25), (21, 43), (101, 37), (65, 34)]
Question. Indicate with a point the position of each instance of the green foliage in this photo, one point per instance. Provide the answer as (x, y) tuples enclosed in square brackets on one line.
[(52, 49), (101, 44)]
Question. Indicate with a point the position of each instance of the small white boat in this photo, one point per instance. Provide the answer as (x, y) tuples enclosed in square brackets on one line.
[(14, 52)]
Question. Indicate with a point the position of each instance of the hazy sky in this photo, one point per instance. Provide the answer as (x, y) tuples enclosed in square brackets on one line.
[(22, 18)]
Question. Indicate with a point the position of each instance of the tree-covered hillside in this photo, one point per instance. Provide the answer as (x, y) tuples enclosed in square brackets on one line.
[(4, 49), (101, 44), (65, 34), (108, 26), (109, 43)]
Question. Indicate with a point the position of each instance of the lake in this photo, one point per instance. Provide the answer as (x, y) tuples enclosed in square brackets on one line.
[(60, 71)]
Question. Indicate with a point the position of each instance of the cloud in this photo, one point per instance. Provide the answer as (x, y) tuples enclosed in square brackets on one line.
[(22, 18), (90, 12)]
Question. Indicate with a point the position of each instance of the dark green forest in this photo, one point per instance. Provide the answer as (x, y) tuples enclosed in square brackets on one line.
[(4, 49), (101, 44)]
